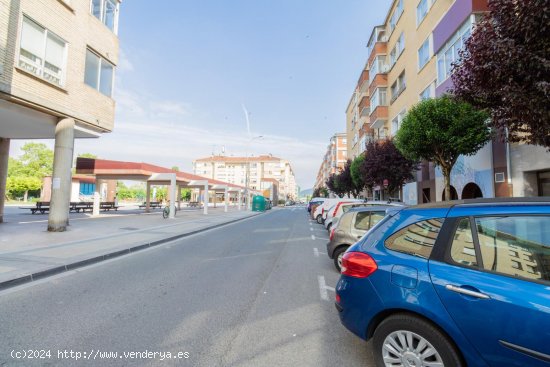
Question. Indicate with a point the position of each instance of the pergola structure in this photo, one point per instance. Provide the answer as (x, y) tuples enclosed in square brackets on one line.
[(155, 175)]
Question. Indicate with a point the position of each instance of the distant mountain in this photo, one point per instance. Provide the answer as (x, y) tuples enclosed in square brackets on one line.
[(305, 193)]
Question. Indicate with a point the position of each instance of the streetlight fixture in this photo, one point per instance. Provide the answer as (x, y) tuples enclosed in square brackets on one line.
[(247, 176)]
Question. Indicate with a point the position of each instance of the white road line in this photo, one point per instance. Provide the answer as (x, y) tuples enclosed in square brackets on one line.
[(322, 287), (311, 229), (316, 252), (322, 238), (329, 288), (312, 237)]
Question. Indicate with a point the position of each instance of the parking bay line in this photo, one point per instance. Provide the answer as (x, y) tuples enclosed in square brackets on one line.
[(316, 252), (323, 288)]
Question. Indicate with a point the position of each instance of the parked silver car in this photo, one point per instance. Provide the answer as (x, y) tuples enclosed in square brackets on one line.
[(350, 228)]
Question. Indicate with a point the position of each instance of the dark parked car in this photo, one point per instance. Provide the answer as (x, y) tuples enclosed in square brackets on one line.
[(350, 227), (453, 284)]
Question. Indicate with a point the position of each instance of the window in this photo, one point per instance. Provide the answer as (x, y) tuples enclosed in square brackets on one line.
[(526, 235), (362, 221), (106, 11), (416, 239), (396, 15), (397, 50), (398, 86), (462, 248), (428, 93), (396, 122), (378, 98), (42, 53), (99, 73), (450, 53), (424, 53)]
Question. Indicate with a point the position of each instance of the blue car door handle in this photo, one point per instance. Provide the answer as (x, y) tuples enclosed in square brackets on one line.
[(466, 291)]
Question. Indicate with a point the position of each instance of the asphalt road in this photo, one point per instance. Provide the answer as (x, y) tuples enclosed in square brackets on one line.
[(248, 294)]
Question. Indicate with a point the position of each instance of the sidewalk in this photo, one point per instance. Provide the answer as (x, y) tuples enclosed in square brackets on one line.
[(28, 252)]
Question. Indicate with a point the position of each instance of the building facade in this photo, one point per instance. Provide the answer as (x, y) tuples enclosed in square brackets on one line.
[(57, 65), (266, 172), (334, 159), (410, 58)]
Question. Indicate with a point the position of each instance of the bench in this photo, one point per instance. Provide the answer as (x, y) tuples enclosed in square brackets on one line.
[(108, 205), (41, 206), (77, 206), (152, 204)]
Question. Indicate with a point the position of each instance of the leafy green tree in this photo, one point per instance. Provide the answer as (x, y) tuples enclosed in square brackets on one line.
[(87, 155), (18, 186), (186, 194), (440, 130), (37, 160), (175, 168), (355, 172)]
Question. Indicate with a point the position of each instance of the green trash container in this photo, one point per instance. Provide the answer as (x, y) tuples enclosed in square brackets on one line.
[(258, 204)]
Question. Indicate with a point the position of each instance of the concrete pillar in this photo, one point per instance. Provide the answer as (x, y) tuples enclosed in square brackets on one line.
[(4, 155), (240, 199), (58, 219), (148, 198), (97, 200), (173, 197), (206, 198), (179, 197), (199, 197), (226, 199)]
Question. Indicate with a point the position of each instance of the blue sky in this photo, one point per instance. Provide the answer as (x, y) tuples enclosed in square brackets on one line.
[(187, 67)]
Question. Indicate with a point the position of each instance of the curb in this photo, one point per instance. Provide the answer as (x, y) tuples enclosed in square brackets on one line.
[(82, 263)]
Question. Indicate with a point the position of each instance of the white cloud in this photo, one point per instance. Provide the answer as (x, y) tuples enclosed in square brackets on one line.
[(124, 64)]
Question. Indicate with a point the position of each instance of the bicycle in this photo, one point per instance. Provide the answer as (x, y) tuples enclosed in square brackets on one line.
[(166, 211)]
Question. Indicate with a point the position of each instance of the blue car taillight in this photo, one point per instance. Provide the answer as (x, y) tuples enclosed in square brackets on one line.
[(358, 265)]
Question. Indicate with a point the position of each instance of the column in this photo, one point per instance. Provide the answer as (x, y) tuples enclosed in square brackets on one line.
[(179, 197), (226, 198), (240, 198), (58, 219), (172, 196), (97, 196), (4, 155), (206, 198), (148, 198)]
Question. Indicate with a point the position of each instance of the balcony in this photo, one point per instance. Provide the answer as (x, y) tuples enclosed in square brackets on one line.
[(362, 84), (378, 117), (364, 106), (378, 36), (380, 81), (378, 67)]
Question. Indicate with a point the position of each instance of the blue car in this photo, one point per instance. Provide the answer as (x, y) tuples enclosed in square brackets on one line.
[(463, 283)]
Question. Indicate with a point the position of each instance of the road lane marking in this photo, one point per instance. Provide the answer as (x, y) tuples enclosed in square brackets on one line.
[(311, 229), (316, 252), (322, 287), (313, 237), (330, 288)]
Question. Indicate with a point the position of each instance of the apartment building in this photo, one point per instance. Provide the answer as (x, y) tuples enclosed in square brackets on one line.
[(334, 159), (264, 171), (410, 58), (57, 65)]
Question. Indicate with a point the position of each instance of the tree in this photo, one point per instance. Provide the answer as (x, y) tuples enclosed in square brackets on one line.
[(355, 171), (440, 130), (37, 160), (186, 194), (334, 185), (384, 165), (505, 68), (175, 168), (87, 155), (21, 185), (345, 180)]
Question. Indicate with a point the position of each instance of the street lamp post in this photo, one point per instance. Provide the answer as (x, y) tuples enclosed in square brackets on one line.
[(247, 175)]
